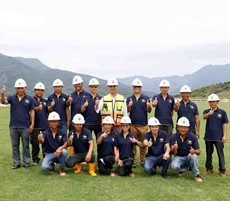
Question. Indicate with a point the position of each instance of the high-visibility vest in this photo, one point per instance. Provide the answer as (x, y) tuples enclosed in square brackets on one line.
[(116, 110)]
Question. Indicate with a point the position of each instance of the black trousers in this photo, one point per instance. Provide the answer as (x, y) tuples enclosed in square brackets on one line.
[(94, 128), (78, 158), (126, 168), (220, 152), (105, 164)]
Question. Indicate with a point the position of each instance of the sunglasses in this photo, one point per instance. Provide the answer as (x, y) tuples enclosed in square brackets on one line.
[(136, 86), (93, 86), (112, 86)]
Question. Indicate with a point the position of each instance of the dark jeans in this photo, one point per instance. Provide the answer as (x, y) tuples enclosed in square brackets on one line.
[(78, 158), (220, 152), (105, 164), (126, 168), (94, 128)]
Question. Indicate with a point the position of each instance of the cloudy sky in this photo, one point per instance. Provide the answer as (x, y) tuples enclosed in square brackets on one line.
[(118, 38)]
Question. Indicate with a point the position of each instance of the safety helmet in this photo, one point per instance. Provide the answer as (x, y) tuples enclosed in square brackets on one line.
[(20, 83), (164, 83), (57, 83), (153, 121), (94, 81), (185, 88), (137, 82), (125, 120), (39, 85), (77, 80), (183, 121), (54, 116), (112, 82), (108, 120), (213, 97), (78, 119)]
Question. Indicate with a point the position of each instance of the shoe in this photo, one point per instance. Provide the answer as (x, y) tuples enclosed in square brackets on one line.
[(198, 178), (208, 171), (62, 172), (92, 169), (36, 162), (26, 166), (112, 173), (181, 174), (166, 176), (77, 168), (222, 174), (51, 171), (134, 166), (14, 167), (131, 174)]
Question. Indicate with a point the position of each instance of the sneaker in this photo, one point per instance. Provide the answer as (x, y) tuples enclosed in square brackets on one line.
[(166, 176), (51, 171), (62, 172), (112, 173), (222, 174), (180, 174), (131, 174), (14, 167), (208, 171), (36, 162), (198, 178)]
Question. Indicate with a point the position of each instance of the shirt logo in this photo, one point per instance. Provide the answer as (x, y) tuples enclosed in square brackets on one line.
[(27, 101), (170, 101), (112, 139), (161, 140), (189, 141), (63, 99), (60, 137), (191, 107), (84, 137), (219, 115), (143, 100), (44, 103)]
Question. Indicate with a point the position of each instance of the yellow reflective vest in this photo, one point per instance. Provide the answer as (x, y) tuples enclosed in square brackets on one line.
[(116, 110)]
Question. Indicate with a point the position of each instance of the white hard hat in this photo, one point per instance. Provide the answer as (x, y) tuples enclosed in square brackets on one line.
[(77, 80), (20, 83), (94, 81), (183, 121), (185, 88), (54, 116), (112, 82), (153, 121), (39, 85), (108, 120), (125, 120), (137, 82), (78, 119), (164, 83), (213, 97), (57, 83)]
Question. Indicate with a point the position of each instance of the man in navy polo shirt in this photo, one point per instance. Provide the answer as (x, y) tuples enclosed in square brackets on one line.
[(41, 122), (215, 134), (184, 145), (21, 122), (138, 105), (76, 98), (158, 149), (57, 103), (82, 141), (187, 108), (92, 118), (54, 141), (164, 106)]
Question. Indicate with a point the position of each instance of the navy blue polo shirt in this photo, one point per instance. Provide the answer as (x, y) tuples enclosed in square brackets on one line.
[(158, 146), (60, 105), (214, 125), (164, 109), (189, 111), (185, 145), (51, 144), (125, 145), (41, 115), (138, 113), (106, 148), (90, 114), (78, 101), (81, 142), (20, 110)]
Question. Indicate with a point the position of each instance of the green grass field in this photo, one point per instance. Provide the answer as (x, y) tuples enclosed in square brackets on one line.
[(33, 184)]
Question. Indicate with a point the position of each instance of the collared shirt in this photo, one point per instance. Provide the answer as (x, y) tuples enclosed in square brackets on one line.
[(41, 115), (158, 144), (106, 148), (214, 125), (185, 145), (90, 115), (138, 113), (189, 111), (125, 145), (163, 110), (51, 143), (81, 142), (60, 105), (20, 110)]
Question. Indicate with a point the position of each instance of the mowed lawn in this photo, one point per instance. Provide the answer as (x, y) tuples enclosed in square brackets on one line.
[(33, 184)]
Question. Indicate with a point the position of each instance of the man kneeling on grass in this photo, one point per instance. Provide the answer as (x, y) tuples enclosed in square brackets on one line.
[(185, 147), (54, 141)]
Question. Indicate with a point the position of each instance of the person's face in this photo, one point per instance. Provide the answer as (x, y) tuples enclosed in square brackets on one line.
[(20, 90), (183, 130), (78, 127), (125, 127), (53, 124), (137, 89), (93, 88), (112, 89), (154, 129), (107, 127), (39, 92), (164, 90), (185, 95), (58, 89), (78, 87), (213, 104)]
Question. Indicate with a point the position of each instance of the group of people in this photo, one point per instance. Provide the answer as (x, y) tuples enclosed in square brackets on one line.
[(119, 124)]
